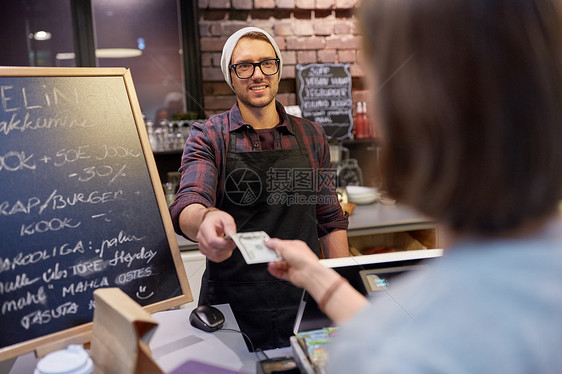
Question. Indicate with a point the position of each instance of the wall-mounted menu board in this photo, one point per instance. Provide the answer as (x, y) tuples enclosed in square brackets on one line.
[(81, 205), (324, 96)]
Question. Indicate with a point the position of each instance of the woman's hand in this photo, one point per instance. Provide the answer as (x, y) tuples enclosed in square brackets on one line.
[(300, 266), (298, 261)]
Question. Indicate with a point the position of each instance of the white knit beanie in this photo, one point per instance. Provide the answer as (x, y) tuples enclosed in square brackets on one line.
[(231, 43)]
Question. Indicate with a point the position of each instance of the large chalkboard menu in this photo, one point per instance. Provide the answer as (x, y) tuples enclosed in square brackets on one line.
[(81, 206), (324, 96)]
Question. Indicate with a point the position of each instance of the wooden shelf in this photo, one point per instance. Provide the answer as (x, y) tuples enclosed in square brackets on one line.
[(379, 228)]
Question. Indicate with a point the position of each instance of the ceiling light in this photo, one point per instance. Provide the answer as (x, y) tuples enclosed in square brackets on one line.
[(105, 53), (117, 52), (65, 56), (42, 35)]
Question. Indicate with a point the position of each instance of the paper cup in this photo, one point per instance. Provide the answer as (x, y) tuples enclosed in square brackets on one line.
[(72, 360)]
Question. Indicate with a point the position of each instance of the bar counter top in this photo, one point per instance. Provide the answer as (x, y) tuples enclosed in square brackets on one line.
[(375, 218)]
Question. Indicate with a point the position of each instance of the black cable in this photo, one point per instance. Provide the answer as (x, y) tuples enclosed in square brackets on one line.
[(247, 338)]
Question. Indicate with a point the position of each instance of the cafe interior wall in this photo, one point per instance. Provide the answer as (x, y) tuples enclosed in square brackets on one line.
[(307, 31)]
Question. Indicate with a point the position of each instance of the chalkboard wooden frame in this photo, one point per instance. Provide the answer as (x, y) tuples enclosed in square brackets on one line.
[(82, 333)]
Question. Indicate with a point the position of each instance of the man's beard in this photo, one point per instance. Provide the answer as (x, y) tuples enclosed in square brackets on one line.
[(261, 102)]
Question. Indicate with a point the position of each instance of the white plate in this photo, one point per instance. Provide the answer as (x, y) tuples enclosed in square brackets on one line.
[(362, 200), (362, 195), (361, 190)]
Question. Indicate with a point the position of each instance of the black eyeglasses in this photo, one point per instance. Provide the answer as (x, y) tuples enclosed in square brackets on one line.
[(245, 70)]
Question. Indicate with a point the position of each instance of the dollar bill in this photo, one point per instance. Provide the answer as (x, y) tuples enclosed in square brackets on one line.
[(252, 247)]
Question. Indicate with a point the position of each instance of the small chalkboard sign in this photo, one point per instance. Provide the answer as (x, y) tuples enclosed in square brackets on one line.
[(324, 96), (81, 205)]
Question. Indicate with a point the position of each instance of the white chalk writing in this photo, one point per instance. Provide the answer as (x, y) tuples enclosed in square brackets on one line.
[(24, 259), (41, 96), (317, 81), (21, 281), (121, 238), (88, 267), (54, 224), (340, 80), (71, 155), (57, 201), (327, 92), (28, 123), (41, 317), (117, 152), (16, 161), (90, 172), (319, 70), (83, 286), (132, 275), (54, 274), (30, 298), (124, 257)]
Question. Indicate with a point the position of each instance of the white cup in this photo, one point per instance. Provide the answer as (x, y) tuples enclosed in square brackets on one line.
[(72, 360)]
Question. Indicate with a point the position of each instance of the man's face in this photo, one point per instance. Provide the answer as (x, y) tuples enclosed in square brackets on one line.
[(259, 90)]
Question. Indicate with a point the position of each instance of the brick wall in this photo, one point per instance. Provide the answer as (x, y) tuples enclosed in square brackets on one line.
[(307, 31)]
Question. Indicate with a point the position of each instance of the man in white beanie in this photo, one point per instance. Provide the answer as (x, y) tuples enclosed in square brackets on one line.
[(255, 168)]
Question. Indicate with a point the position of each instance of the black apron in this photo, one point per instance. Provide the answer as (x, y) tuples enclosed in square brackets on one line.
[(264, 306)]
